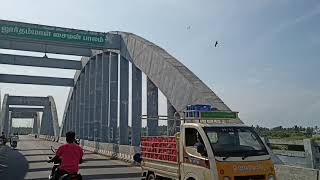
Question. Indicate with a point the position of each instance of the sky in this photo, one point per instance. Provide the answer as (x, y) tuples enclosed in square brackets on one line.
[(266, 64)]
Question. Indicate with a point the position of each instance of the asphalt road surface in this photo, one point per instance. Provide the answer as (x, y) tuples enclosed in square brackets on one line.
[(28, 161)]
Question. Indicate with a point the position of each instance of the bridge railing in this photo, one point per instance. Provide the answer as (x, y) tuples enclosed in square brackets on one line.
[(307, 149), (285, 172)]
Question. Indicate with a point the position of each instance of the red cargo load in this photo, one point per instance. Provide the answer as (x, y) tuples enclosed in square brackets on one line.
[(161, 148)]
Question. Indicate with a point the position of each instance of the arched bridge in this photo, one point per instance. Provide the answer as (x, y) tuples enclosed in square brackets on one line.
[(99, 93), (49, 124), (92, 106)]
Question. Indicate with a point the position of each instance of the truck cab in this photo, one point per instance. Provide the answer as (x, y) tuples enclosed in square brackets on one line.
[(223, 151)]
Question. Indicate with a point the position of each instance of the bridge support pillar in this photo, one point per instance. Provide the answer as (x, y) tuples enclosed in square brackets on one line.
[(10, 124), (113, 114), (76, 107), (5, 119), (54, 117), (92, 84), (174, 119), (44, 122), (82, 116), (124, 96), (50, 130), (136, 105), (71, 114), (36, 124), (152, 108), (104, 128), (98, 99), (67, 122), (86, 101)]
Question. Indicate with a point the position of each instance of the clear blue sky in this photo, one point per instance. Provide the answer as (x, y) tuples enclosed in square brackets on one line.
[(266, 65)]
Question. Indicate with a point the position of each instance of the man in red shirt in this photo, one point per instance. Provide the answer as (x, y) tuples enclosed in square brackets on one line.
[(70, 155)]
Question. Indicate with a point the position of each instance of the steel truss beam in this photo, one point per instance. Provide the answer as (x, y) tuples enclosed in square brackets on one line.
[(39, 80), (39, 62)]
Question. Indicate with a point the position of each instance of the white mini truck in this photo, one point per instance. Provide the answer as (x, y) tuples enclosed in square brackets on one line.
[(212, 146)]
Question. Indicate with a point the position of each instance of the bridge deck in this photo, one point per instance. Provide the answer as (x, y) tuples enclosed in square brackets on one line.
[(29, 162)]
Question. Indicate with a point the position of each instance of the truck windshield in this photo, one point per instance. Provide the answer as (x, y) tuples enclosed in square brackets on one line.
[(235, 142)]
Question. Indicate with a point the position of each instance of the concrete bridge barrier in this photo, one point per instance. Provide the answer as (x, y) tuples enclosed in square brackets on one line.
[(289, 153), (116, 151), (285, 172), (310, 150), (48, 138)]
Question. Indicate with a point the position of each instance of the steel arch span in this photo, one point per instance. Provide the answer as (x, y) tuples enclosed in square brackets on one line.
[(176, 81), (49, 123), (92, 103), (100, 87)]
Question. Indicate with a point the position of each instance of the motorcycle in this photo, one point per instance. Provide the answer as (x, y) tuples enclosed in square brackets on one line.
[(14, 141), (56, 164), (14, 144)]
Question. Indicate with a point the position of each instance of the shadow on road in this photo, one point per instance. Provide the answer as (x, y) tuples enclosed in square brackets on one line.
[(40, 154), (17, 166), (107, 176), (112, 176), (84, 161), (48, 154), (34, 149), (92, 159), (83, 167)]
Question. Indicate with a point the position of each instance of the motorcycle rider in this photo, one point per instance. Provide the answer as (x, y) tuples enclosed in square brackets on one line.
[(70, 155)]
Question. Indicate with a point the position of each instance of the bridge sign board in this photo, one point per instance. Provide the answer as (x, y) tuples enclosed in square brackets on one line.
[(34, 32)]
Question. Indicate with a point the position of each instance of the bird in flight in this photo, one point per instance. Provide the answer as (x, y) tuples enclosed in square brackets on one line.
[(215, 45)]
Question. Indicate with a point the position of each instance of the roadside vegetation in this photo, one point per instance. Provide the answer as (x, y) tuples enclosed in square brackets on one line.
[(22, 130), (292, 133)]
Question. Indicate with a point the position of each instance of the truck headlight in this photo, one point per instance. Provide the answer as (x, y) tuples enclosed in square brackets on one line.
[(226, 178), (271, 177)]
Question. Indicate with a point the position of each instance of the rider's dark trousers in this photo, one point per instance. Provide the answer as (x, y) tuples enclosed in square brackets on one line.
[(58, 173)]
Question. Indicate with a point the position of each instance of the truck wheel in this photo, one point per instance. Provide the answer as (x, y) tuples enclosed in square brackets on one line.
[(151, 176)]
